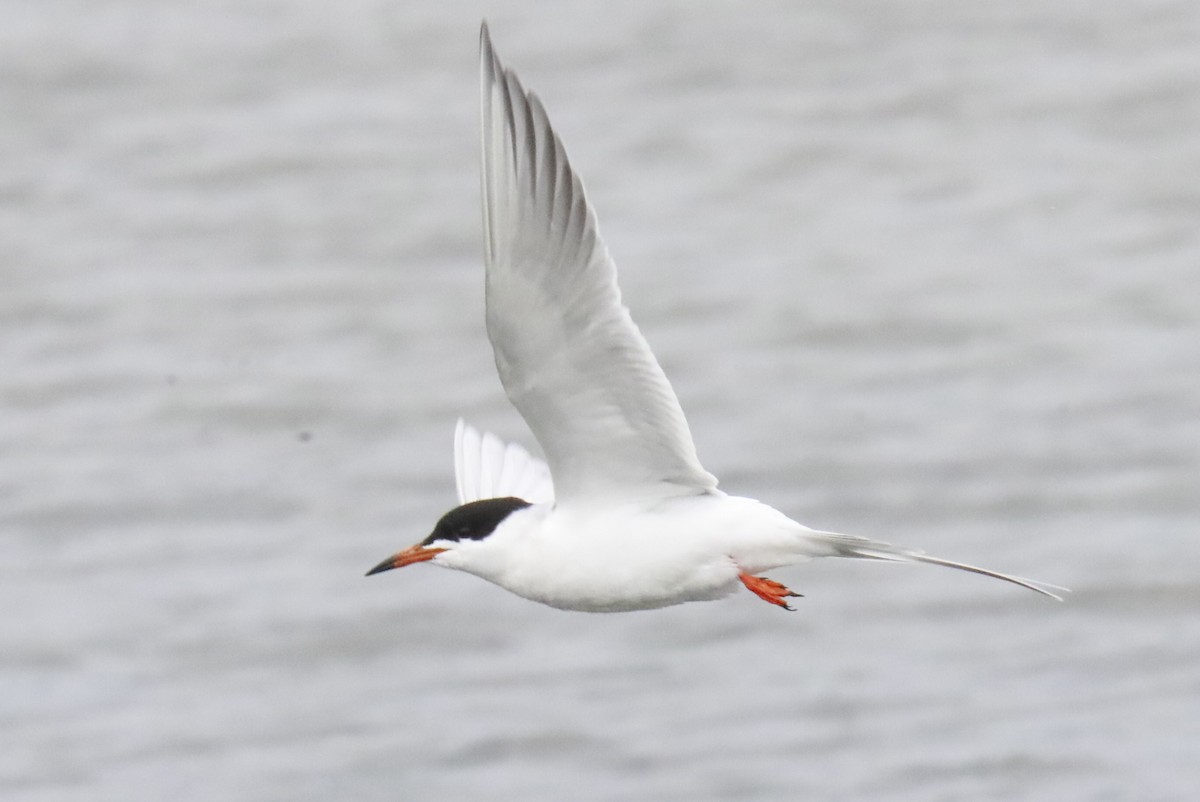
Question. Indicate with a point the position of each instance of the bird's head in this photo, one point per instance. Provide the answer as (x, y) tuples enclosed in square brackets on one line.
[(459, 538)]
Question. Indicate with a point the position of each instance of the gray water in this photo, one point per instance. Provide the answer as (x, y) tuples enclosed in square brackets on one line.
[(922, 271)]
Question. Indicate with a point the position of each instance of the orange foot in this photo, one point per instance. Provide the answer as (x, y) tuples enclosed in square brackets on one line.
[(767, 589)]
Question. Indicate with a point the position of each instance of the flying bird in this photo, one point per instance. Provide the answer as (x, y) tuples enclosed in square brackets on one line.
[(621, 516)]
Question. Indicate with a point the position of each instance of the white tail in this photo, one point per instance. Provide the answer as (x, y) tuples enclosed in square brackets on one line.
[(867, 549)]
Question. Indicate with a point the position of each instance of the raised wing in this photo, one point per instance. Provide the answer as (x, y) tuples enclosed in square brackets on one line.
[(570, 357), (486, 467)]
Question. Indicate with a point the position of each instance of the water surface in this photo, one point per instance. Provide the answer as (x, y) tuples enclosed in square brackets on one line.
[(924, 272)]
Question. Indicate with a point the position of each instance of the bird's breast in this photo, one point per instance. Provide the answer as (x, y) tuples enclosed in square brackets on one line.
[(617, 568)]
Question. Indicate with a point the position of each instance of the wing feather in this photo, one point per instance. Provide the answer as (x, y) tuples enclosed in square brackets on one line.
[(486, 467), (568, 353)]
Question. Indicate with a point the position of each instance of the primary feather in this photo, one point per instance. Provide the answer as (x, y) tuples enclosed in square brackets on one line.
[(486, 467), (569, 356)]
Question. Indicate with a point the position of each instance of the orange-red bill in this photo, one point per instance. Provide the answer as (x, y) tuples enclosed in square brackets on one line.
[(413, 554)]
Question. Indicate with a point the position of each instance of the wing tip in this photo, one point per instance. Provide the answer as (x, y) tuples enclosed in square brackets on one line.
[(489, 63), (487, 467)]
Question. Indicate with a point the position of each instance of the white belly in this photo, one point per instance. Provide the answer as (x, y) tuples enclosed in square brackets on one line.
[(620, 560)]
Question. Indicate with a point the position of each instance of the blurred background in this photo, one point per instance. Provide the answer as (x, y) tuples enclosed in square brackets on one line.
[(922, 271)]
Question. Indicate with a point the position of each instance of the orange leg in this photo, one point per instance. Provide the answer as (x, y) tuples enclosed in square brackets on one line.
[(767, 589)]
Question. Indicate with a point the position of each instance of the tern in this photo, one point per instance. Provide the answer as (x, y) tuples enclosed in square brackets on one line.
[(621, 516)]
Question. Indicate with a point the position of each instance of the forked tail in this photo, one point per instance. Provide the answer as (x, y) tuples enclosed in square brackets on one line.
[(867, 549)]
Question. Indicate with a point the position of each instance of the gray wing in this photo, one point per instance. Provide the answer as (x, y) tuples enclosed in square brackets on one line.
[(569, 356)]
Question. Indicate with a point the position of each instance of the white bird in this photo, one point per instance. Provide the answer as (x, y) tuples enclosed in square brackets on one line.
[(624, 517)]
